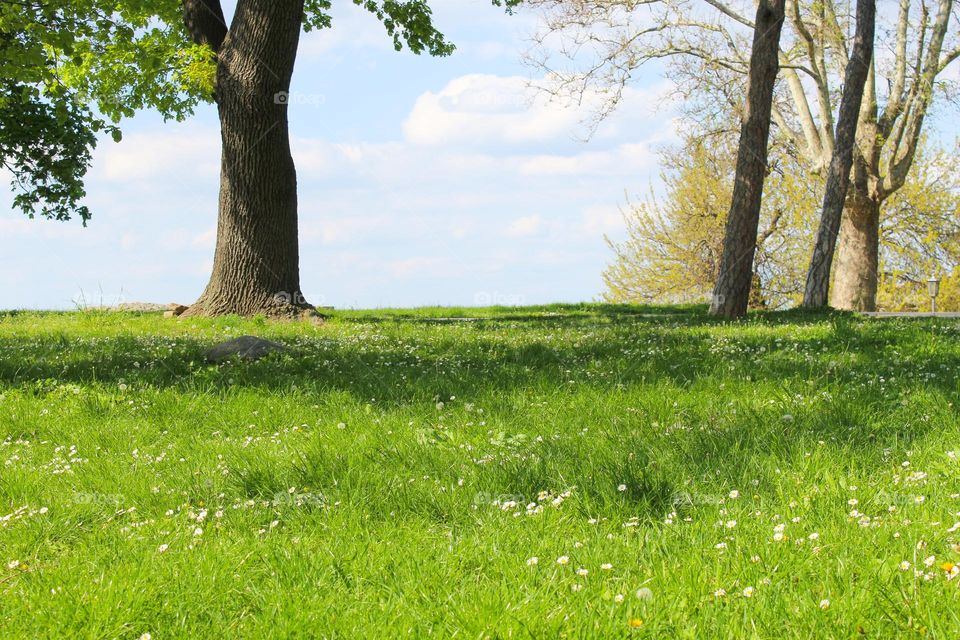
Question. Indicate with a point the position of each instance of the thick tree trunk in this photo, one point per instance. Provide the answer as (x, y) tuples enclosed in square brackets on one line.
[(732, 291), (855, 282), (838, 175), (256, 264)]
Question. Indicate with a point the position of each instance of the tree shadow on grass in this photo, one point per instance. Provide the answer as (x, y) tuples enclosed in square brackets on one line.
[(485, 355), (499, 357)]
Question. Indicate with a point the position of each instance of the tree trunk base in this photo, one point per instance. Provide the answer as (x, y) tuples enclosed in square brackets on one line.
[(274, 308), (855, 280)]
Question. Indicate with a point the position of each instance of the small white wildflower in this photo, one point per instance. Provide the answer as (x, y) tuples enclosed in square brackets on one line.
[(606, 566), (162, 548), (532, 562), (622, 488), (719, 593), (644, 593), (824, 604), (734, 494), (618, 597), (563, 560)]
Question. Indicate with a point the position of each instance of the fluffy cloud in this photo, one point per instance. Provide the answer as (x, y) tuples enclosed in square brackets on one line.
[(160, 156), (489, 110), (486, 109), (486, 192), (524, 226)]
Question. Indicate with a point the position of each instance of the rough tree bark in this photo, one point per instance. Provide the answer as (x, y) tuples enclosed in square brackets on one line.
[(838, 175), (731, 294), (855, 283), (256, 263), (887, 144)]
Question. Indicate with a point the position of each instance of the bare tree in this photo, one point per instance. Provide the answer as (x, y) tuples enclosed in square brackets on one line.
[(596, 46), (838, 174), (731, 295)]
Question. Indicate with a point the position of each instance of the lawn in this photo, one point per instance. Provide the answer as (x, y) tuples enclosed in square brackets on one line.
[(582, 471)]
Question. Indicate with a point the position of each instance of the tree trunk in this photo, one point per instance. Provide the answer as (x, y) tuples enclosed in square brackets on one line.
[(256, 264), (855, 282), (732, 291), (838, 175)]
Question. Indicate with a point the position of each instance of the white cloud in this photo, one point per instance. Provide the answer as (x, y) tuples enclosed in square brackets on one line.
[(485, 193), (602, 219), (524, 226), (170, 152), (624, 159), (353, 28), (485, 110), (480, 108), (421, 265)]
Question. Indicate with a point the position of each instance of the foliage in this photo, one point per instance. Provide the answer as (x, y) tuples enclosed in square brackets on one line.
[(376, 470), (75, 68), (45, 144), (920, 235), (673, 245)]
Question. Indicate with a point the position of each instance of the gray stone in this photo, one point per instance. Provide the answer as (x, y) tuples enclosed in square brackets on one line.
[(244, 347), (174, 311)]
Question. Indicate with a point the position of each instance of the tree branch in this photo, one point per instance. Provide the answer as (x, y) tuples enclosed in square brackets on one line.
[(205, 22)]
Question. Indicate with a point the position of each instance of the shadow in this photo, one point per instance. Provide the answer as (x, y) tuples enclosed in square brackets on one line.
[(506, 351), (637, 375)]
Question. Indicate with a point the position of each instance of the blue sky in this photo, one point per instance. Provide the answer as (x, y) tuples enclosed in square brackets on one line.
[(421, 181)]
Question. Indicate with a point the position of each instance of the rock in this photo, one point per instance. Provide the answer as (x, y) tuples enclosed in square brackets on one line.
[(245, 347), (174, 310), (135, 306)]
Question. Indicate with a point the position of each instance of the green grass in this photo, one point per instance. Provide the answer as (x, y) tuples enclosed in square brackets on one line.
[(363, 484)]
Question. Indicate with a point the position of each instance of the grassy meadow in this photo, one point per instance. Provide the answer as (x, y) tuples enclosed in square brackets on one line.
[(569, 471)]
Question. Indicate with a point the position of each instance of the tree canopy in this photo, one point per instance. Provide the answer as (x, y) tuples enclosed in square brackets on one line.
[(72, 70)]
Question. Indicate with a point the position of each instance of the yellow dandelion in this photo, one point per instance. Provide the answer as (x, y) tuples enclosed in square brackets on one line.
[(636, 622)]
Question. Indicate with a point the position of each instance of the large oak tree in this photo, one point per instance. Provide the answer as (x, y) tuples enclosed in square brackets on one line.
[(124, 55)]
